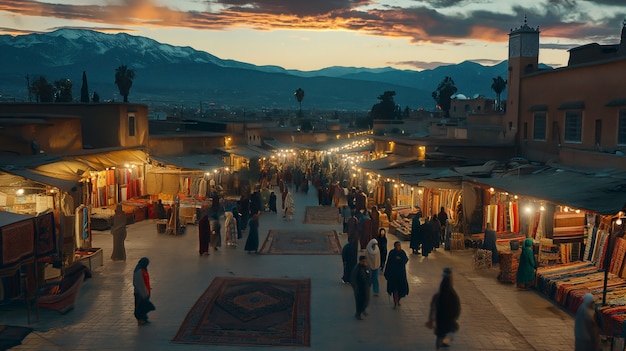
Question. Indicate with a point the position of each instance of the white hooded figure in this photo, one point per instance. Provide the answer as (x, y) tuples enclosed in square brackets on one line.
[(373, 261)]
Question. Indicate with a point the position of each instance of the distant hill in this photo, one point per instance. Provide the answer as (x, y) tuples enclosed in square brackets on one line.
[(173, 75)]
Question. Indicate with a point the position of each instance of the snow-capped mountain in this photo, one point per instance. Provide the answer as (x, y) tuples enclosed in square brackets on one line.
[(174, 73)]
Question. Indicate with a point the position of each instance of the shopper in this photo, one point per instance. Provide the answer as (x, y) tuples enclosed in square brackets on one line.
[(361, 281), (142, 291), (348, 256), (373, 261), (230, 230), (586, 326), (216, 232), (395, 273), (204, 234), (159, 210), (272, 202), (489, 243), (289, 207), (382, 245), (119, 234), (527, 266), (252, 243), (443, 221), (445, 309), (417, 235)]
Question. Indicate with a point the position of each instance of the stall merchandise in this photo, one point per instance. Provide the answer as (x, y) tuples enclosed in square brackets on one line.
[(503, 217), (568, 283), (508, 263)]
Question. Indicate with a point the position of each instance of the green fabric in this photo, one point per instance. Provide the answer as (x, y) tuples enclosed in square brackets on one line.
[(526, 270)]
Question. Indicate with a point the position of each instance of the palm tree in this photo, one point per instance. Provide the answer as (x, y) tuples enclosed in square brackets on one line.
[(299, 94), (498, 87), (124, 80)]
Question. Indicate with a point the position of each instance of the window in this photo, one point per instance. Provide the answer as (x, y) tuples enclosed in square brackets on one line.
[(539, 126), (525, 131), (131, 125), (573, 126), (621, 127)]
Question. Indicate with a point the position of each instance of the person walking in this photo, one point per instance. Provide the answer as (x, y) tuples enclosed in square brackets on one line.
[(365, 229), (119, 234), (586, 326), (442, 216), (252, 243), (272, 202), (527, 266), (289, 207), (361, 280), (348, 257), (216, 232), (382, 245), (237, 218), (284, 197), (395, 274), (142, 291), (204, 234), (445, 309), (435, 232), (230, 230), (417, 236), (373, 261), (489, 243)]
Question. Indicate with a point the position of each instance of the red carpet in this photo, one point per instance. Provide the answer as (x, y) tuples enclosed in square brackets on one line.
[(303, 242), (250, 311)]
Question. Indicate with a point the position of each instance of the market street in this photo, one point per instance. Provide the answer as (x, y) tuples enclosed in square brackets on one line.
[(494, 316)]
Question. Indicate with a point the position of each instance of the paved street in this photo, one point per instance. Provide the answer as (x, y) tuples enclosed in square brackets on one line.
[(494, 316)]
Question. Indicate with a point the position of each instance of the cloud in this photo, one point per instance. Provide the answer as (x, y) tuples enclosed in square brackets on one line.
[(420, 23), (421, 65), (15, 31)]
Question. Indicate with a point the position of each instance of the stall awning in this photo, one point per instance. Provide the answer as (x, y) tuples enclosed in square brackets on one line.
[(279, 145), (453, 183), (602, 193), (247, 151), (7, 218), (192, 162), (62, 184), (391, 161)]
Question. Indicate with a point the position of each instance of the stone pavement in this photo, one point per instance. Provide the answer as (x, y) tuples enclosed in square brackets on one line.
[(494, 316)]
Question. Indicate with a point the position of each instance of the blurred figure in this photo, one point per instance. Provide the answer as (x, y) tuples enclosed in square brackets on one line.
[(586, 326), (395, 273), (142, 291), (361, 280), (119, 234), (445, 309)]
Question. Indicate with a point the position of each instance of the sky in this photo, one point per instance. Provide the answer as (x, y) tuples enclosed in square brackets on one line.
[(314, 34)]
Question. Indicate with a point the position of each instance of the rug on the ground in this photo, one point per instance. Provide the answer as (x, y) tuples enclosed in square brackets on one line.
[(250, 311), (12, 336), (322, 215), (301, 242)]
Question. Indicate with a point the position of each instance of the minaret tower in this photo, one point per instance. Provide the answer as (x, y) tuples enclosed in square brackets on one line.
[(523, 59)]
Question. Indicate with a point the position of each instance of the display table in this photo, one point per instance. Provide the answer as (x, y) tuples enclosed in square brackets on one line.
[(92, 258)]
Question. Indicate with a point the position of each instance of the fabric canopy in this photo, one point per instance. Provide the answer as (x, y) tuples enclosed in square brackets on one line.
[(192, 162)]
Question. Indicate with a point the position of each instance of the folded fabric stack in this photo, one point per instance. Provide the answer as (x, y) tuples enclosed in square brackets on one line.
[(508, 267)]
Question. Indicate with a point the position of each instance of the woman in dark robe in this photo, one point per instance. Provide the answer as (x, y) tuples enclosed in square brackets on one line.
[(159, 210), (445, 309), (272, 202), (349, 255), (443, 220), (388, 209), (365, 229), (204, 234), (353, 228), (427, 238), (375, 216), (382, 244), (489, 243), (395, 273), (216, 232), (435, 232), (252, 243), (417, 236), (142, 291), (119, 234)]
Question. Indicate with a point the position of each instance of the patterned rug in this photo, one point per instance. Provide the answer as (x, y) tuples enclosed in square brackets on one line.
[(12, 336), (301, 242), (322, 215), (250, 311)]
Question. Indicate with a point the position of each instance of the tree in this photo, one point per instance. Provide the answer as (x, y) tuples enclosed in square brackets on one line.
[(63, 90), (84, 89), (42, 89), (498, 87), (124, 80), (443, 95), (95, 97), (299, 94), (385, 109)]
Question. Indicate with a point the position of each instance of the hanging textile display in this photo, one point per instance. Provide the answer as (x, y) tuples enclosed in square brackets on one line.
[(568, 225)]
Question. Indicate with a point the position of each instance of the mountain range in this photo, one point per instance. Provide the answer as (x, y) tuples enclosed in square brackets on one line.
[(175, 75)]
